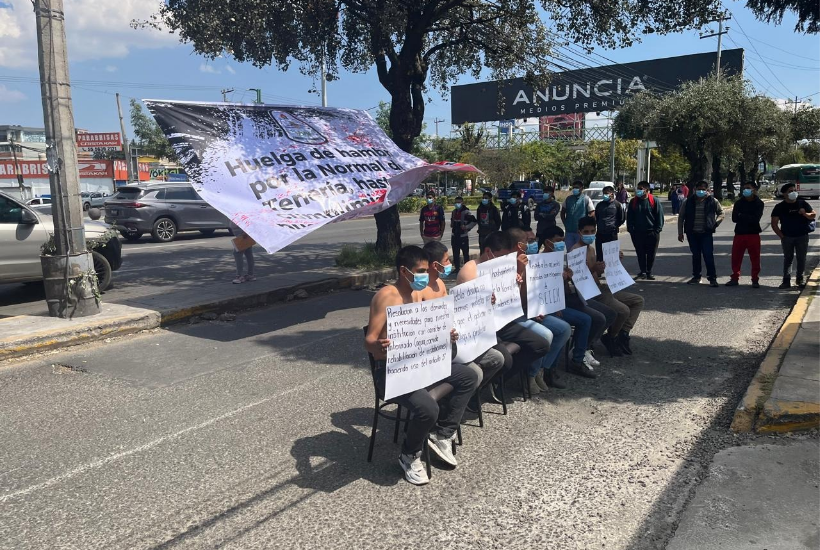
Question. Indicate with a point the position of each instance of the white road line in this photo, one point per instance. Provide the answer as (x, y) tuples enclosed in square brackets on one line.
[(150, 445)]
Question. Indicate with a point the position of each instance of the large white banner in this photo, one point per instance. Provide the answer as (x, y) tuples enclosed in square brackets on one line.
[(545, 284), (473, 318), (420, 352), (581, 275), (280, 172), (502, 272), (616, 276)]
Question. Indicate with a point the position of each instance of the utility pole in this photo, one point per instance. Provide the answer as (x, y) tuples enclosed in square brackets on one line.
[(436, 121), (324, 83), (225, 93), (20, 181), (126, 148), (796, 102), (69, 290), (258, 95), (612, 151), (719, 34)]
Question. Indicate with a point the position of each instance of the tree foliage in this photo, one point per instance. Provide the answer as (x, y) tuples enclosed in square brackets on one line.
[(772, 11), (149, 136)]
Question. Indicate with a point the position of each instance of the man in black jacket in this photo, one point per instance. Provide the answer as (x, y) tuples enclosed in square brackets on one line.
[(746, 214), (791, 221), (644, 221), (700, 215), (461, 221), (515, 213), (489, 219), (609, 214)]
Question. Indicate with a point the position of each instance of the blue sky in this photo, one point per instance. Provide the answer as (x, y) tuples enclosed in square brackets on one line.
[(103, 49)]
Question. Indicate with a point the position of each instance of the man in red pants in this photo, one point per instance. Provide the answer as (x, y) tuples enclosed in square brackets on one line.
[(747, 212)]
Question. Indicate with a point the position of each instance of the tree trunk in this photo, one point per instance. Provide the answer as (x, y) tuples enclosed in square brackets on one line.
[(730, 183), (700, 167), (717, 180)]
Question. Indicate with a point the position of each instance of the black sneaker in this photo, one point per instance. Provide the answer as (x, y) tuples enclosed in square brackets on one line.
[(713, 283), (800, 282), (732, 282), (553, 380), (611, 346), (582, 370), (650, 277), (694, 281), (786, 284), (755, 284), (623, 342), (641, 275)]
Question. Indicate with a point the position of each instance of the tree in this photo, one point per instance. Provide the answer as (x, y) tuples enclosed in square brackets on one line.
[(668, 165), (149, 136), (772, 11), (416, 46), (762, 132)]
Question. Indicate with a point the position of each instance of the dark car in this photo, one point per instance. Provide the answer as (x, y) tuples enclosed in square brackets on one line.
[(162, 210)]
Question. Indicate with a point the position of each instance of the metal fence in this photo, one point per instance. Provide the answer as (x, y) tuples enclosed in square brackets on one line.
[(573, 136)]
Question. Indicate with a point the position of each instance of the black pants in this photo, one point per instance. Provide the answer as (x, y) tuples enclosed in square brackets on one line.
[(646, 246), (532, 345), (600, 239), (460, 244)]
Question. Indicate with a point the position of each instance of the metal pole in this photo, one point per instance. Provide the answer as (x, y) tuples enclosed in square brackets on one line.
[(324, 83), (126, 148), (720, 42), (612, 153), (61, 151), (20, 181)]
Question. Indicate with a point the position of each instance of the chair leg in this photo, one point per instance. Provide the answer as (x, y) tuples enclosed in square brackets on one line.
[(480, 414), (425, 453), (503, 396), (373, 432), (398, 422)]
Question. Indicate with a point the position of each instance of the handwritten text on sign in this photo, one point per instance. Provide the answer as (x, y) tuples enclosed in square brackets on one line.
[(581, 276), (616, 276), (420, 353), (473, 318), (503, 271), (545, 284)]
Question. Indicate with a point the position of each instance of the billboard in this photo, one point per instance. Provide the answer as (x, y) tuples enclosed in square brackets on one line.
[(561, 126), (585, 90), (37, 169), (99, 142)]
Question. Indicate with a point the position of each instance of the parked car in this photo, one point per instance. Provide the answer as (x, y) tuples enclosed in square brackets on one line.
[(596, 195), (24, 229), (92, 200), (162, 210), (38, 200), (600, 184), (530, 190)]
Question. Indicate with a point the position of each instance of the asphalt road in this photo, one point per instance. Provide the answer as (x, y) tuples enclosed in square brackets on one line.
[(253, 433)]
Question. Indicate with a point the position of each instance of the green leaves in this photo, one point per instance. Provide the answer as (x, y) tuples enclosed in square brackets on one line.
[(149, 136)]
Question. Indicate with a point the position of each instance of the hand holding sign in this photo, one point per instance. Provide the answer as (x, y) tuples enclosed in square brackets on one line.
[(616, 276), (545, 284), (584, 283), (503, 272)]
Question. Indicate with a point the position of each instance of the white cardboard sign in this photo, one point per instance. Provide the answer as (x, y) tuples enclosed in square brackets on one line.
[(616, 276), (581, 276), (545, 284), (473, 318), (420, 352), (503, 271)]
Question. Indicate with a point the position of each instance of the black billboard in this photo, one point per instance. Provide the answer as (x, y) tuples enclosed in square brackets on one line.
[(585, 90)]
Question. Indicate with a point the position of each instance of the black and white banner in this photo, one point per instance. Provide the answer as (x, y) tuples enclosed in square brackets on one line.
[(280, 172)]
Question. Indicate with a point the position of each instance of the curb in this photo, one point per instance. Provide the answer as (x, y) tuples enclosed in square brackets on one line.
[(87, 331), (756, 399)]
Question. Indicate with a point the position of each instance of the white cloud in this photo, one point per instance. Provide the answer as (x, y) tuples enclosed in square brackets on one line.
[(210, 69), (10, 96), (95, 29), (230, 69), (111, 68)]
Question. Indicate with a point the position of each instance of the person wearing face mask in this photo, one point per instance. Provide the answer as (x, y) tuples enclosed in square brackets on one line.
[(545, 214), (626, 305), (437, 422), (699, 218), (792, 222), (492, 361), (610, 217), (431, 220), (489, 219), (515, 213), (747, 212), (461, 222), (644, 221), (575, 207)]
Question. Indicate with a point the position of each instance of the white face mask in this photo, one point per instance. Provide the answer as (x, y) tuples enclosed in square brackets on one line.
[(793, 196)]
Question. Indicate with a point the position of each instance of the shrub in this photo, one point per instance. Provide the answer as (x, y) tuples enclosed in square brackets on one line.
[(364, 257), (411, 204)]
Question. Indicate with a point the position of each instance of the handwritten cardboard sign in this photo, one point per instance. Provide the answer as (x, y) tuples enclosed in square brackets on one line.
[(581, 276), (545, 283), (473, 318), (616, 276), (420, 353), (502, 271)]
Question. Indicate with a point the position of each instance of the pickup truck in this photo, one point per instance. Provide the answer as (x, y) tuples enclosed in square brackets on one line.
[(530, 190)]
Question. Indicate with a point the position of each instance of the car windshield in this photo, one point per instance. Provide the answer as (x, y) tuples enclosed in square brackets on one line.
[(594, 193)]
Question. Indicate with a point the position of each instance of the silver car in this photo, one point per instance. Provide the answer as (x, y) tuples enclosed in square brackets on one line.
[(162, 210)]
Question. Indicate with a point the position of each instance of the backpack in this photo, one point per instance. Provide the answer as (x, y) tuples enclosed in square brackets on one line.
[(633, 204)]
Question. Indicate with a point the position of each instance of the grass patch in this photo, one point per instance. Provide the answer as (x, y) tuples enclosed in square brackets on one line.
[(364, 257)]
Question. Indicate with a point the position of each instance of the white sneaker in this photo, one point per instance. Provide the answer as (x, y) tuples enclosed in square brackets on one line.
[(443, 448), (414, 471), (589, 359)]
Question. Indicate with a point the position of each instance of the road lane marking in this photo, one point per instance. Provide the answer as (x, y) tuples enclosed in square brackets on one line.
[(150, 445)]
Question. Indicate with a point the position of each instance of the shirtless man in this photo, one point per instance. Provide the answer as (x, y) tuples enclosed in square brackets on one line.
[(429, 419)]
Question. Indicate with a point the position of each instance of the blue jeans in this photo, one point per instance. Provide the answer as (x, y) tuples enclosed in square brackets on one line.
[(702, 244), (559, 332), (571, 239), (583, 324)]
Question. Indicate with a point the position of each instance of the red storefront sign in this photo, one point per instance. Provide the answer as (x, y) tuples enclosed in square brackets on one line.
[(121, 171), (37, 169), (108, 139)]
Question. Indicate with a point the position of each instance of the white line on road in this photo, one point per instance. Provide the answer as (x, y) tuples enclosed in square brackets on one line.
[(150, 445)]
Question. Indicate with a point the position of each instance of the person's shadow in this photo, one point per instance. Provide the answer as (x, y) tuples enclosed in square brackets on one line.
[(329, 461)]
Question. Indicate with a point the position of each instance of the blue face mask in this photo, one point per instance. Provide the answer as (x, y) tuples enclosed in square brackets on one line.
[(748, 192), (588, 239), (420, 281), (532, 248), (447, 270), (513, 200), (458, 205), (560, 246), (607, 198), (576, 192), (485, 201), (640, 193), (429, 201), (700, 193), (546, 196)]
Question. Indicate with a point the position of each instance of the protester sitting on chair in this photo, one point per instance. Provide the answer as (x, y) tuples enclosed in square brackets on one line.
[(436, 421)]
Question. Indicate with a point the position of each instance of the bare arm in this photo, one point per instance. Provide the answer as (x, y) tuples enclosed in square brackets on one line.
[(468, 272), (375, 340)]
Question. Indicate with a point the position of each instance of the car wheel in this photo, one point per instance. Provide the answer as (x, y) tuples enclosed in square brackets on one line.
[(103, 270), (86, 206), (131, 237), (164, 230), (207, 232)]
